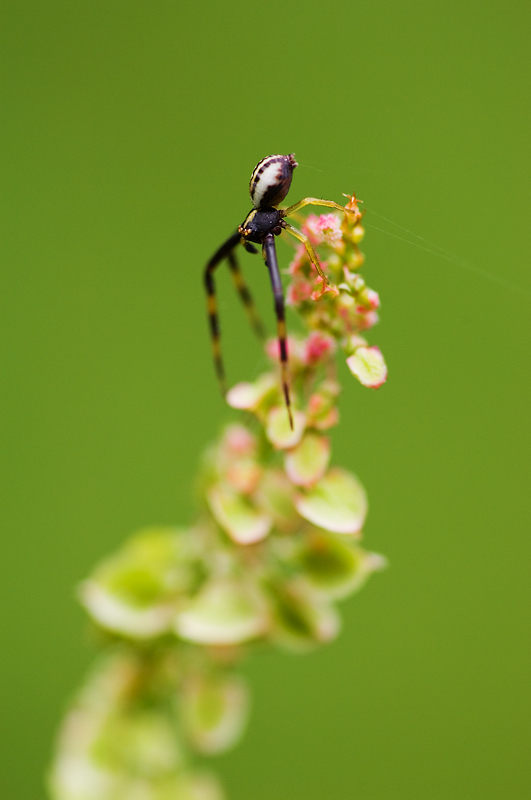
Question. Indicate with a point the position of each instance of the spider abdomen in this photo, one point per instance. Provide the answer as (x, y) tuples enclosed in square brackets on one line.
[(271, 180)]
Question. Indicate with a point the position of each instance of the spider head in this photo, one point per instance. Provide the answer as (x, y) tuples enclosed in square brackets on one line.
[(271, 180)]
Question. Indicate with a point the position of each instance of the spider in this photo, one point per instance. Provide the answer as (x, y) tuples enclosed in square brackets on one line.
[(269, 185)]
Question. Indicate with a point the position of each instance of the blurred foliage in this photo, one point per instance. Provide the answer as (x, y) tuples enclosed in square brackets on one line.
[(274, 547)]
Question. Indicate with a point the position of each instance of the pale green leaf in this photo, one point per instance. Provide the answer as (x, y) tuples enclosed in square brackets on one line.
[(337, 503), (237, 516), (307, 462), (214, 709), (224, 612), (368, 365)]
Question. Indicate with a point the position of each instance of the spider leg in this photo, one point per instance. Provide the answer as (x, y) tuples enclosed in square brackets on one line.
[(312, 201), (270, 257), (245, 295), (223, 252), (309, 249)]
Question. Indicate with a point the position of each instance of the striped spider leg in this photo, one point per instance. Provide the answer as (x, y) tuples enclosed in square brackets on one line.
[(226, 251), (245, 296)]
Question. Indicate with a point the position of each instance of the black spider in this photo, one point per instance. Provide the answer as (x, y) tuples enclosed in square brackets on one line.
[(270, 183)]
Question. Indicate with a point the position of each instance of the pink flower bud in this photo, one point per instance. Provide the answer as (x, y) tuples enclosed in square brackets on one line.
[(373, 298), (318, 346), (325, 228), (367, 320), (298, 291), (323, 288), (312, 229), (238, 440), (330, 225)]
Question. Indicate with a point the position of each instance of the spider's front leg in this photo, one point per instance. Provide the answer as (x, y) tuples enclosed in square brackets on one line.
[(313, 201), (312, 255), (270, 257), (310, 201)]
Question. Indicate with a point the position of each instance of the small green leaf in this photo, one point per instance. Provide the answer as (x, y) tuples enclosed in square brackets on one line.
[(307, 462), (248, 396), (301, 619), (274, 495), (278, 429), (335, 566), (115, 614), (214, 709), (336, 503), (237, 516), (368, 365), (224, 612), (139, 743), (134, 592)]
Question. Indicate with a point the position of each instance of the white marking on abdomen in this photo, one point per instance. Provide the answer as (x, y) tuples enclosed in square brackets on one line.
[(269, 177)]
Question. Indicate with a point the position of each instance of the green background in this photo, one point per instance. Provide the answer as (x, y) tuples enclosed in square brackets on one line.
[(129, 133)]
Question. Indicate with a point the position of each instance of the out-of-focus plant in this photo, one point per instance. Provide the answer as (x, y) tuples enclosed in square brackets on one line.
[(274, 548)]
